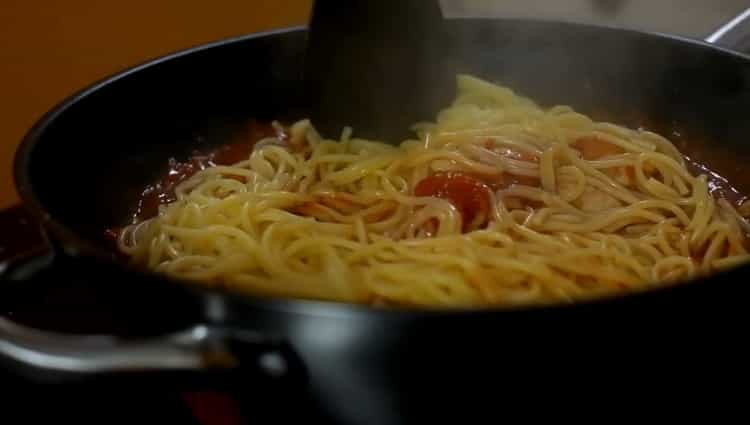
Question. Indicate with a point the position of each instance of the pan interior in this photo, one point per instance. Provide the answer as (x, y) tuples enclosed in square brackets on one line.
[(88, 166)]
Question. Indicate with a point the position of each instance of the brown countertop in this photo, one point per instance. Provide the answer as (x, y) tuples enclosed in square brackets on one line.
[(50, 48)]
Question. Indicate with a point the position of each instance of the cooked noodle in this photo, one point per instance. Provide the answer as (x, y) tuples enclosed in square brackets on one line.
[(524, 205)]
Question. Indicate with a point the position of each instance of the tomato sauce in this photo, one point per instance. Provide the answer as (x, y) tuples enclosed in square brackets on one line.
[(163, 190), (468, 194), (718, 185), (592, 148)]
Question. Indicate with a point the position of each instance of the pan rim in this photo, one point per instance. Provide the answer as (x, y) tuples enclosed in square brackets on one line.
[(76, 246)]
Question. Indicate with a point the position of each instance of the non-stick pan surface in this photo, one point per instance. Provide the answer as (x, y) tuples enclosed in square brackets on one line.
[(86, 163), (81, 168)]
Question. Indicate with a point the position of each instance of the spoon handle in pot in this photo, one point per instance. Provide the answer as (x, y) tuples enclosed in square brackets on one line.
[(734, 34)]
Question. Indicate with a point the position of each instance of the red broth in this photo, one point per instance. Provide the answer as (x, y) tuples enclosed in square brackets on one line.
[(469, 193), (162, 191)]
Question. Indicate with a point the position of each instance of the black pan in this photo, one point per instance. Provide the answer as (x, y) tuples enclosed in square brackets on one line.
[(81, 168)]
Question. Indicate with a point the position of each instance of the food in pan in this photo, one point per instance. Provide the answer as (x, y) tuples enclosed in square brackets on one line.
[(497, 202)]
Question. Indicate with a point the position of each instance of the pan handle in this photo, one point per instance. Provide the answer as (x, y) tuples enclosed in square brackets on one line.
[(734, 35), (193, 355)]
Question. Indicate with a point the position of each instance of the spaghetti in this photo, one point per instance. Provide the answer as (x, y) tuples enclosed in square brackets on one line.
[(498, 202)]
